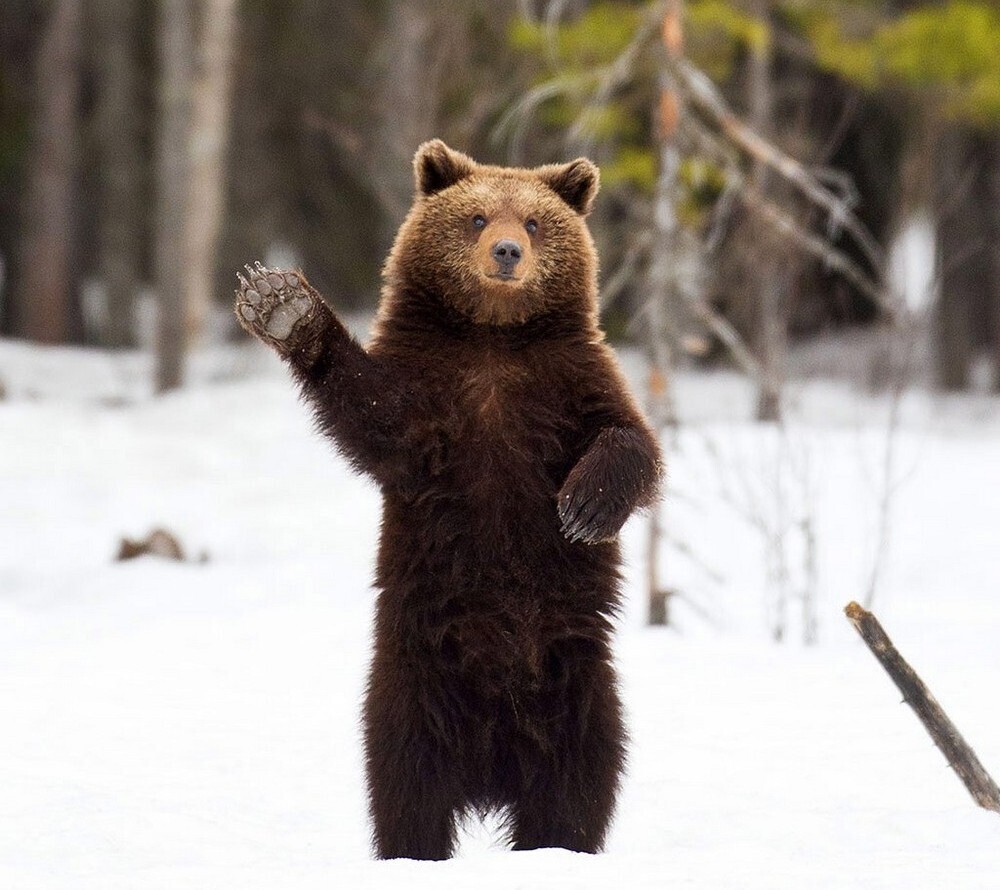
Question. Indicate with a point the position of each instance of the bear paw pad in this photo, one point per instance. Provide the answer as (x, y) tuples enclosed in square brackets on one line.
[(271, 304)]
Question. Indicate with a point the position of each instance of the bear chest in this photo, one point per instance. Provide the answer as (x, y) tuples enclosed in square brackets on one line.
[(492, 398), (504, 414)]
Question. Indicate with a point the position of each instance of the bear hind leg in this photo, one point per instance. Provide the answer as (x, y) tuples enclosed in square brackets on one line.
[(407, 828), (570, 798), (550, 815), (413, 790)]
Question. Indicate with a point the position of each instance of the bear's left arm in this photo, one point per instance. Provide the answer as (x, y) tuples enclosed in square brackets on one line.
[(358, 398), (621, 467)]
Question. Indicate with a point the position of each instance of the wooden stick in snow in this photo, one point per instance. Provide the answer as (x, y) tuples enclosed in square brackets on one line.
[(948, 739)]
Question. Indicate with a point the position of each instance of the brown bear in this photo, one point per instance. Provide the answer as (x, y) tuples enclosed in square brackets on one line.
[(509, 453)]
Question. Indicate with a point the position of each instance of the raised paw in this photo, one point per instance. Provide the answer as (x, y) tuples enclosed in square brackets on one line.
[(275, 305)]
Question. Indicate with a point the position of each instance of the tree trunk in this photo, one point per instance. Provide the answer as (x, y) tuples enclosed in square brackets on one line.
[(408, 101), (42, 305), (662, 296), (992, 203), (771, 325), (263, 177), (173, 182), (208, 138), (964, 254), (120, 220)]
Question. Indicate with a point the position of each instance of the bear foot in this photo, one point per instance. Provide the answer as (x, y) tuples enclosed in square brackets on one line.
[(275, 305)]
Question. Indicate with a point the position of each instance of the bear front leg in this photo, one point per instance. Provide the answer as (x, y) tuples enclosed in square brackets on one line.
[(356, 399), (619, 473)]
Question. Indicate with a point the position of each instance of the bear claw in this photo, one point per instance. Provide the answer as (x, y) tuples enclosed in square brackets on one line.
[(271, 304), (588, 519)]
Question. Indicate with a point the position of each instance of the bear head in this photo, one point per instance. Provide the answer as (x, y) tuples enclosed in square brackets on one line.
[(498, 244)]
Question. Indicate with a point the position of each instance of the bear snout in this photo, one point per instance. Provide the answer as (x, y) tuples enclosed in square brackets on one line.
[(507, 254)]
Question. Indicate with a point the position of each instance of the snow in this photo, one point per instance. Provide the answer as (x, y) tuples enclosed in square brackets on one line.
[(196, 725)]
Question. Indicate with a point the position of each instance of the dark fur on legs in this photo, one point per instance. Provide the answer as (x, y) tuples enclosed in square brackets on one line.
[(548, 756)]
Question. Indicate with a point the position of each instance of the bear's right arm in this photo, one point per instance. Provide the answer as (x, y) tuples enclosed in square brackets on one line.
[(357, 402), (620, 467)]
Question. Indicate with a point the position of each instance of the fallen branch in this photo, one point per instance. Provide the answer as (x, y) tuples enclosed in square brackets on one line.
[(948, 739)]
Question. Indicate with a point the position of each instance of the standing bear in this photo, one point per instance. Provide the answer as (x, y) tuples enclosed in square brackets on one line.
[(509, 453)]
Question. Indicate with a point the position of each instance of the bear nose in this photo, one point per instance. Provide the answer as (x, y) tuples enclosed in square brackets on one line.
[(507, 253)]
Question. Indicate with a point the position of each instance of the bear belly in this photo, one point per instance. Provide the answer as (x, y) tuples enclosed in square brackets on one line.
[(475, 574), (498, 610)]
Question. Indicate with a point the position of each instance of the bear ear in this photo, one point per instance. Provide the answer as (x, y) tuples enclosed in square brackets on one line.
[(576, 183), (436, 166)]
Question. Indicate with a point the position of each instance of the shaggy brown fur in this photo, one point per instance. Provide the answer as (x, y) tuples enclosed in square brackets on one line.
[(509, 454)]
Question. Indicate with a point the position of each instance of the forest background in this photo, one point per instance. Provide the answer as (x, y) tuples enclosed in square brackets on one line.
[(149, 149)]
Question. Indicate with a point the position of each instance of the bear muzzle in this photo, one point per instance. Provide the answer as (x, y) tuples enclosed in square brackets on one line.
[(507, 254)]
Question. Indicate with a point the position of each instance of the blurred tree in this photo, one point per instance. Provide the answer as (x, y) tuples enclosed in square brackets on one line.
[(848, 86), (769, 288), (19, 39), (943, 58), (196, 46), (207, 143), (42, 303), (772, 275), (330, 103), (175, 30), (117, 130), (301, 187), (663, 296), (330, 100), (966, 200)]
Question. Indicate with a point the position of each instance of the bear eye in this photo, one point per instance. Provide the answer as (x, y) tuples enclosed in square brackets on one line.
[(531, 227), (479, 221)]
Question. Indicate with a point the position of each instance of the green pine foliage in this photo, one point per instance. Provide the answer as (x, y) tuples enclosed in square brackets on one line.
[(631, 165), (954, 49), (946, 54), (942, 54), (595, 38), (717, 31), (726, 19), (573, 57)]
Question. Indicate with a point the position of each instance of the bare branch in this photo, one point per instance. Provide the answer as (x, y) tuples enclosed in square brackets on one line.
[(515, 120), (702, 95), (823, 250), (616, 282), (617, 73)]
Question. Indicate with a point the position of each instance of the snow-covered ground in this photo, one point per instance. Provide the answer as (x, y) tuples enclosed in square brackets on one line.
[(167, 725)]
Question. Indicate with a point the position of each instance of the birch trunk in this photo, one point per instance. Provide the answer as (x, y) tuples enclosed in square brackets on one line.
[(209, 135), (662, 293), (770, 303)]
